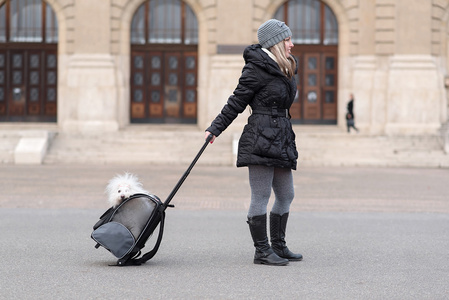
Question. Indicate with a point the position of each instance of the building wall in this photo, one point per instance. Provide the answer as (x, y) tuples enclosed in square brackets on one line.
[(397, 66), (392, 55)]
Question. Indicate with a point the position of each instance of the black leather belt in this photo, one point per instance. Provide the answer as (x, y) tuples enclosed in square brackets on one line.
[(273, 111)]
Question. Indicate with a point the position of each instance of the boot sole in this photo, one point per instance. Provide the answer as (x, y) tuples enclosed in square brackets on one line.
[(294, 259), (259, 262), (290, 259)]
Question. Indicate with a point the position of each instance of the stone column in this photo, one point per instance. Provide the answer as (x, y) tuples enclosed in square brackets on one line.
[(414, 95), (225, 62), (415, 84), (88, 93)]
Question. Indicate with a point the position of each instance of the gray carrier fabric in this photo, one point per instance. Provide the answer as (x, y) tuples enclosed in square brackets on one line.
[(134, 214), (115, 237), (120, 234)]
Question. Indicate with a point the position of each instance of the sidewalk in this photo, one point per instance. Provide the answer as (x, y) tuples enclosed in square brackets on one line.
[(353, 189), (365, 233)]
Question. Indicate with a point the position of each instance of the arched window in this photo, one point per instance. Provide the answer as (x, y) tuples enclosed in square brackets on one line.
[(315, 35), (28, 61), (311, 22), (30, 21), (164, 22), (164, 38)]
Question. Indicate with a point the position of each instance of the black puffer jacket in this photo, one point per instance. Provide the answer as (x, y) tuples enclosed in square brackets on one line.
[(268, 138)]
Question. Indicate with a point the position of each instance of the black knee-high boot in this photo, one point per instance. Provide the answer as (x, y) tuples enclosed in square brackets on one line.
[(278, 224), (264, 254)]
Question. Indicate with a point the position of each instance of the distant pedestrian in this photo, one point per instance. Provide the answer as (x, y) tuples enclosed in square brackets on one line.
[(350, 120), (267, 145)]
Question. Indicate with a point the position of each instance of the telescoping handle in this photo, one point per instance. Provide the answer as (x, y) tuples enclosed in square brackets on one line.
[(186, 173)]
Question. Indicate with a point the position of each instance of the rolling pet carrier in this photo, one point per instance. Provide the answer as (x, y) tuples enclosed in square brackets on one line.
[(125, 229)]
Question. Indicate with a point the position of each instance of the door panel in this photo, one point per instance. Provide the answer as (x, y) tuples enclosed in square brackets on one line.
[(17, 87), (34, 82), (137, 85), (190, 83), (156, 84), (51, 81), (172, 102), (312, 83), (3, 79), (330, 83)]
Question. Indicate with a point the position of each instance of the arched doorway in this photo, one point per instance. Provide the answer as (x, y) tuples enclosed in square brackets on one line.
[(164, 63), (315, 35), (28, 61)]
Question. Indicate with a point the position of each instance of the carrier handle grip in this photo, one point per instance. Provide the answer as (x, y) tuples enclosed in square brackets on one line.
[(209, 138)]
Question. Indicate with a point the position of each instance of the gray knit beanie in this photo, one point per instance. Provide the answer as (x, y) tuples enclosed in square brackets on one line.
[(272, 32)]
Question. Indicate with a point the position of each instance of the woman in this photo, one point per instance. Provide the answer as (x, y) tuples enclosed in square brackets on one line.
[(267, 145), (350, 121)]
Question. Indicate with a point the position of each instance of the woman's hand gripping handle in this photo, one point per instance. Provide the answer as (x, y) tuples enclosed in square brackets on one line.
[(210, 137)]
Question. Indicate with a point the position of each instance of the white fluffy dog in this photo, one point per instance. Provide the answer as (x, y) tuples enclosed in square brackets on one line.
[(122, 186)]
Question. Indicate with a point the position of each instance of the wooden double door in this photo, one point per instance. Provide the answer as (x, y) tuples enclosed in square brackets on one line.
[(164, 86), (317, 79), (28, 84)]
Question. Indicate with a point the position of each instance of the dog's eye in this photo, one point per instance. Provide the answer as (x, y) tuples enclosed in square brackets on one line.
[(119, 191)]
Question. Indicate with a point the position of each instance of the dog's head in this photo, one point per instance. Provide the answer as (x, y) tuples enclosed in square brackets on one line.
[(121, 187), (124, 191)]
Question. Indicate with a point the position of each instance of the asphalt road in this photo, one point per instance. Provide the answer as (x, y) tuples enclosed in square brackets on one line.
[(365, 233)]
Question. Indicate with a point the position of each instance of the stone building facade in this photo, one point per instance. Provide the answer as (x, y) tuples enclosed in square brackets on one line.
[(391, 54)]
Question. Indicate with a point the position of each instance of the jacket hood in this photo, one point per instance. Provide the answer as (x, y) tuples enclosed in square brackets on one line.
[(254, 54)]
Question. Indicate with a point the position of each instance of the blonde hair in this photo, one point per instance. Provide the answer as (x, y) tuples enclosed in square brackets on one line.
[(287, 64)]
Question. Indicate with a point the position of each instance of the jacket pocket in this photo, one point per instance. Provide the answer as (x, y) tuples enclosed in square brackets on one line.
[(268, 143)]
